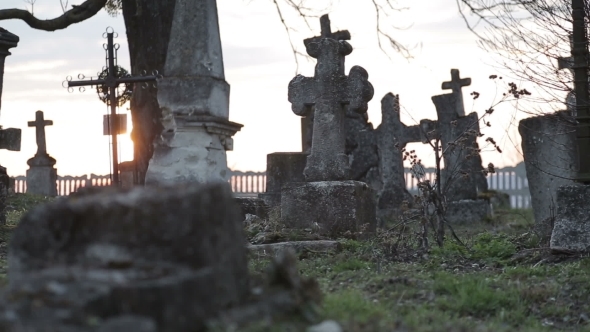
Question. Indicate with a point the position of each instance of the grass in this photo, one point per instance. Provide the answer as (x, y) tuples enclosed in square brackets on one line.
[(498, 281)]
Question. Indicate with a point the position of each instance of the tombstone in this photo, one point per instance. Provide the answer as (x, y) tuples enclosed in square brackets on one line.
[(194, 98), (568, 63), (327, 199), (10, 138), (41, 176), (307, 121), (392, 137), (549, 150), (571, 231), (458, 132), (282, 168), (174, 255)]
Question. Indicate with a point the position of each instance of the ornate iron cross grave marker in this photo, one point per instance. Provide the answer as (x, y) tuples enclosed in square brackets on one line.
[(328, 91), (455, 84), (111, 81)]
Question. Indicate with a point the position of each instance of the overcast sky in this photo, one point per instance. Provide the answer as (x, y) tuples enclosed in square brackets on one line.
[(258, 66)]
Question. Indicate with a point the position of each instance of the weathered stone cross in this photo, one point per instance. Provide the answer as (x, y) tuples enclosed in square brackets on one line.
[(39, 125), (329, 91), (455, 84), (568, 63), (307, 121)]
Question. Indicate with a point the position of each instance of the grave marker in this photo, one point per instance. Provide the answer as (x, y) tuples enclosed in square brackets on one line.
[(112, 81), (41, 176)]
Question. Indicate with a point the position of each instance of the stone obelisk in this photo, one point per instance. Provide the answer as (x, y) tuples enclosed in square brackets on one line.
[(194, 98)]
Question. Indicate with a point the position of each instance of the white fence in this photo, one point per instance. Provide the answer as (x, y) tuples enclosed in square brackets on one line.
[(510, 180)]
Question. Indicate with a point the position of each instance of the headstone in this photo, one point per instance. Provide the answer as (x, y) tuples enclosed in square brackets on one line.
[(194, 98), (568, 63), (282, 168), (307, 121), (328, 91), (41, 176), (549, 150), (174, 255), (9, 138), (393, 136), (327, 199)]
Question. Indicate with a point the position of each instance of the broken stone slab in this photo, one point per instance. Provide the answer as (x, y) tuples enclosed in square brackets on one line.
[(281, 168), (299, 246), (330, 207), (549, 150), (130, 249), (467, 211), (571, 231)]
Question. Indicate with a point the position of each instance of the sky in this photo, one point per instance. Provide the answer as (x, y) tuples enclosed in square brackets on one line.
[(258, 64)]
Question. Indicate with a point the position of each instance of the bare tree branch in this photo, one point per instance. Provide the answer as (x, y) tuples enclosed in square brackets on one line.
[(77, 14)]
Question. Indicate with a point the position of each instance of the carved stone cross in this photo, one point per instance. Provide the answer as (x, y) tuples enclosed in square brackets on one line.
[(456, 84), (329, 91), (39, 125)]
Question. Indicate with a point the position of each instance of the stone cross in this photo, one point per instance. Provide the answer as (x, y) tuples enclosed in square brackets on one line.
[(307, 121), (392, 137), (328, 92), (458, 135), (455, 84), (39, 125)]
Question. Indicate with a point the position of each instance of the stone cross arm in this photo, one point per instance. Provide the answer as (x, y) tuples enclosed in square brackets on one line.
[(354, 90), (456, 83), (10, 139)]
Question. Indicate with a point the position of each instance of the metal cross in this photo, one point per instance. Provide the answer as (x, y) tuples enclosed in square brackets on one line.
[(112, 82), (456, 84), (39, 125)]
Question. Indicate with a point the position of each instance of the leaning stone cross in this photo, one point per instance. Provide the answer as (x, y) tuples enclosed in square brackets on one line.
[(39, 125), (455, 84), (329, 91)]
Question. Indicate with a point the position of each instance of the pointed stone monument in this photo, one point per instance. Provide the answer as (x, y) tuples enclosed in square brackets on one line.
[(41, 176), (194, 98), (10, 137)]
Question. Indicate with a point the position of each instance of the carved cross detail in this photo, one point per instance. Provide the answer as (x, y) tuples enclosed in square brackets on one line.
[(455, 85), (328, 92), (39, 125)]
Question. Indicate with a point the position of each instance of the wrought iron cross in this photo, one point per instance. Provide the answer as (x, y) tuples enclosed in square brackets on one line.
[(456, 84), (111, 81)]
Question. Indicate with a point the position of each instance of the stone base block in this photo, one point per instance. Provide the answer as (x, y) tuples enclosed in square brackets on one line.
[(571, 230), (281, 168), (41, 180), (331, 207), (468, 211), (250, 205)]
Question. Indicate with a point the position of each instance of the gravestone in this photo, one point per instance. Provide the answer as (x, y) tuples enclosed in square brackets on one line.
[(393, 136), (568, 63), (327, 199), (462, 176), (307, 121), (194, 98), (282, 168), (458, 133), (10, 138), (549, 150), (41, 175)]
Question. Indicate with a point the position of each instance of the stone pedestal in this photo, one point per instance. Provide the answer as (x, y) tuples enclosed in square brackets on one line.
[(549, 149), (127, 175), (281, 168), (41, 176), (571, 229), (468, 211), (330, 207), (195, 152)]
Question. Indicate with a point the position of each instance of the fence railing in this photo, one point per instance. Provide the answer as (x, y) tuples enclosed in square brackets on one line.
[(510, 180)]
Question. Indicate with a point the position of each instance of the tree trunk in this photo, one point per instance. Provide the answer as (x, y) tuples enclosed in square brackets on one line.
[(148, 24)]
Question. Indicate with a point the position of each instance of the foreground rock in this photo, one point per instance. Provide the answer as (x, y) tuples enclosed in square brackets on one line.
[(172, 255), (571, 231)]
